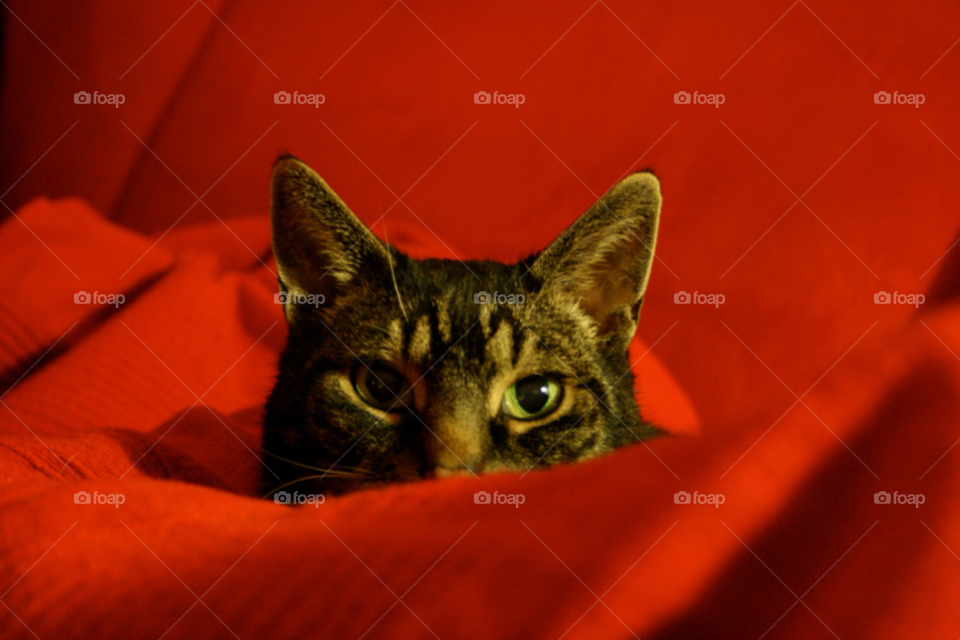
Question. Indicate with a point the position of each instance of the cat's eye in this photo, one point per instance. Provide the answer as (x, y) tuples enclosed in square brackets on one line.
[(532, 398), (380, 386)]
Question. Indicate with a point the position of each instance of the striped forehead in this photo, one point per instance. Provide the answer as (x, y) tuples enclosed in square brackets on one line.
[(484, 337)]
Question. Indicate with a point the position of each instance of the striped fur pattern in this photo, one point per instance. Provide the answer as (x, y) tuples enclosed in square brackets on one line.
[(581, 304)]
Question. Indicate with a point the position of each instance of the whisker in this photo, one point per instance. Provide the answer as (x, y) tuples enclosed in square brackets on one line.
[(377, 328), (292, 482), (392, 273), (343, 471)]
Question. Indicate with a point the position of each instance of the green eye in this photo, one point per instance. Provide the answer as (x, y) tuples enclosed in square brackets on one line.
[(532, 397)]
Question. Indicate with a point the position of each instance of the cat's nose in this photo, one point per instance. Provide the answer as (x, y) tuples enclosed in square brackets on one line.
[(453, 454), (456, 432), (453, 468)]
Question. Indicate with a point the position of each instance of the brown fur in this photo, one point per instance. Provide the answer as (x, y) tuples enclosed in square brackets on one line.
[(582, 302)]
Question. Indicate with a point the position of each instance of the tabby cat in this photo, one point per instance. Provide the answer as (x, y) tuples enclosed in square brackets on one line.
[(409, 370)]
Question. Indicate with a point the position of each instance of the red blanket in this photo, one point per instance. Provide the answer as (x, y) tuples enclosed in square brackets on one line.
[(816, 498)]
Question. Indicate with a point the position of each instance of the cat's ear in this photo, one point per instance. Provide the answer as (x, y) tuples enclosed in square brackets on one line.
[(602, 262), (321, 247)]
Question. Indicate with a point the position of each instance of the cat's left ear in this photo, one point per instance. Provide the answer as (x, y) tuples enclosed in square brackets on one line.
[(321, 247), (602, 262)]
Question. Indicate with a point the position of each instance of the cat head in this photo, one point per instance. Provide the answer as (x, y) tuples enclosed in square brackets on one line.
[(399, 369)]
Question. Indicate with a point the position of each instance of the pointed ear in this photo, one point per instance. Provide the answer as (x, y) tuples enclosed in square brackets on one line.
[(320, 246), (602, 262)]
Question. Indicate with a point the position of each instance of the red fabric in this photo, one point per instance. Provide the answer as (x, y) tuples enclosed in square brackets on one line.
[(191, 352)]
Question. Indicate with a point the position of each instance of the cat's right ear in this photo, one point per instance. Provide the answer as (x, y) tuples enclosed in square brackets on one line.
[(319, 244), (602, 262)]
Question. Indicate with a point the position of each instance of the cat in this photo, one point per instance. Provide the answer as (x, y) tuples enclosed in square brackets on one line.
[(398, 369)]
